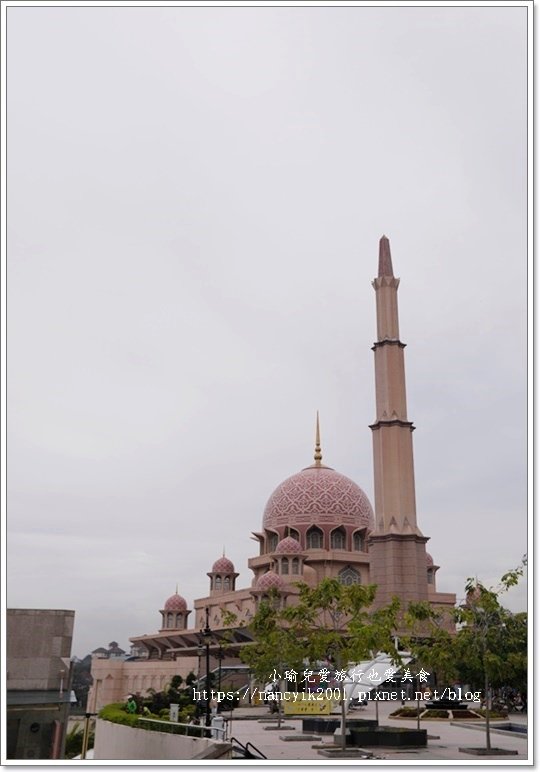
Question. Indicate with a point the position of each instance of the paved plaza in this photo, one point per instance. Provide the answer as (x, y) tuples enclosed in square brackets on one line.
[(446, 738)]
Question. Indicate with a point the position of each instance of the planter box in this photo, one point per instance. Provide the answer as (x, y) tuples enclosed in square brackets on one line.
[(389, 737), (321, 725), (446, 705)]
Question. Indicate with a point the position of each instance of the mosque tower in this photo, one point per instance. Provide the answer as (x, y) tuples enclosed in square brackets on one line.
[(397, 546)]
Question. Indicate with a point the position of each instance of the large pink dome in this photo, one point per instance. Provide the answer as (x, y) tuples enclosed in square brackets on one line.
[(175, 603), (318, 495)]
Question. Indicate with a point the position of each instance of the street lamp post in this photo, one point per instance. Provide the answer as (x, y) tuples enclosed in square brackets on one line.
[(220, 655), (207, 638), (200, 652)]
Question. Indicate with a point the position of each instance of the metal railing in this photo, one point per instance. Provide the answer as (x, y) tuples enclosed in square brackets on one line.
[(213, 732), (239, 747)]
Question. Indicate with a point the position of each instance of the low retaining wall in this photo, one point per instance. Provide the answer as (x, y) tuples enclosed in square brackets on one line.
[(322, 725), (116, 741)]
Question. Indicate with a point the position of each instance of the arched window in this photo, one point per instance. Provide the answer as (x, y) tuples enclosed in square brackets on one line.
[(178, 620), (349, 576), (293, 533), (227, 583), (284, 565), (272, 541), (337, 539), (218, 582), (295, 566), (314, 539), (169, 620), (359, 542), (430, 576)]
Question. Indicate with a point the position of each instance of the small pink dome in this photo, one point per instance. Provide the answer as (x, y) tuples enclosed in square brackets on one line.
[(288, 546), (175, 603), (223, 566), (429, 559), (269, 581)]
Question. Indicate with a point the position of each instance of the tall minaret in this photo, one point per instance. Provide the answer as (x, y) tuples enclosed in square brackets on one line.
[(397, 546)]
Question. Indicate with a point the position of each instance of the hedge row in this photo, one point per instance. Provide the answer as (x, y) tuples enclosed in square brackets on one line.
[(117, 714)]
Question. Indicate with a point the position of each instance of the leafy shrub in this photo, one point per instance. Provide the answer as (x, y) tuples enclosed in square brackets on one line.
[(464, 714), (117, 713), (435, 714), (407, 712), (74, 741), (187, 714), (493, 713)]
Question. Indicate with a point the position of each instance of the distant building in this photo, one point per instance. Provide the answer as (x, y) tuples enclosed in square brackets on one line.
[(113, 651), (100, 653), (319, 523), (38, 682)]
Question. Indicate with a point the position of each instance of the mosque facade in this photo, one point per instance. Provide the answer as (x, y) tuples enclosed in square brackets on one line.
[(317, 523)]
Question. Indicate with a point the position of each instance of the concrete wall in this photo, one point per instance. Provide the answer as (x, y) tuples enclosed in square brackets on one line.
[(115, 741), (114, 679), (38, 647), (37, 675)]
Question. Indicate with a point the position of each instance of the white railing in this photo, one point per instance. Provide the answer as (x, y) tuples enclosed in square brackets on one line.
[(216, 732)]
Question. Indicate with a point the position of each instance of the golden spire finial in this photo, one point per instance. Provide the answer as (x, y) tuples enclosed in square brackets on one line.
[(318, 454)]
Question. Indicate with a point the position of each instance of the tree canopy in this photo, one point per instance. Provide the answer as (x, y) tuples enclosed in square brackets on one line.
[(331, 623)]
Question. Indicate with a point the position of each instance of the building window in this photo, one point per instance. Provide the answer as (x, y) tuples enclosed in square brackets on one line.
[(218, 582), (349, 576), (430, 577), (314, 539), (272, 541), (284, 565), (226, 583), (294, 534), (169, 620), (359, 542), (295, 566), (337, 539)]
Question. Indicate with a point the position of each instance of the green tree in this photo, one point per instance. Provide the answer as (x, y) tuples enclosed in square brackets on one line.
[(489, 647), (176, 681), (276, 647), (191, 679), (491, 640), (331, 622)]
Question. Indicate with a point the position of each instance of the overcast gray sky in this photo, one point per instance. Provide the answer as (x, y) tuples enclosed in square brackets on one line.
[(195, 198)]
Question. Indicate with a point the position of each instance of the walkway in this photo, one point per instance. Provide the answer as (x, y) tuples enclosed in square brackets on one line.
[(447, 738)]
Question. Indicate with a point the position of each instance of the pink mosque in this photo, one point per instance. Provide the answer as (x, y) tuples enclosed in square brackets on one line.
[(316, 524)]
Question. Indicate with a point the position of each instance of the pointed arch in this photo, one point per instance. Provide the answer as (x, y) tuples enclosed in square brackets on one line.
[(314, 538), (359, 541), (349, 576), (338, 538)]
